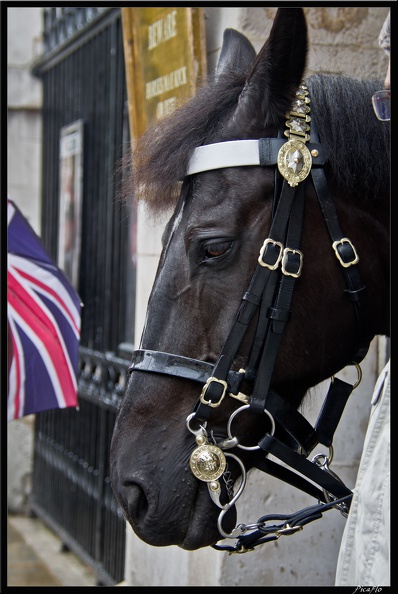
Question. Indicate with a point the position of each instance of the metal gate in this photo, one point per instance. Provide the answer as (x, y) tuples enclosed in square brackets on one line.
[(83, 76), (71, 486)]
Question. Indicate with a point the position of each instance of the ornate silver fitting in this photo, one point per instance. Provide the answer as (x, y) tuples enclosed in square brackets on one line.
[(294, 158)]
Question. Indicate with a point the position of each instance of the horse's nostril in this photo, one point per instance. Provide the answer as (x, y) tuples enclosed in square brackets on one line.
[(135, 501)]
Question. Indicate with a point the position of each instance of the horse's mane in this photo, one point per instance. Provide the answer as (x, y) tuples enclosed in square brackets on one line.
[(357, 143)]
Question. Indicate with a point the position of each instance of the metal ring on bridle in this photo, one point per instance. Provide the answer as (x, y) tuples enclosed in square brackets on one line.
[(200, 431), (231, 418), (327, 460), (359, 372), (359, 378)]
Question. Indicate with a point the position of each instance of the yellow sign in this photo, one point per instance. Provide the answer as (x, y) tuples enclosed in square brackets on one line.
[(165, 56)]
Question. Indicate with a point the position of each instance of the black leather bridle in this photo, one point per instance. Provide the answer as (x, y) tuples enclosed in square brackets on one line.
[(291, 438)]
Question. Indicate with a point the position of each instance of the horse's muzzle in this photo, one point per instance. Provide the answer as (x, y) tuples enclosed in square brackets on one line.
[(184, 516)]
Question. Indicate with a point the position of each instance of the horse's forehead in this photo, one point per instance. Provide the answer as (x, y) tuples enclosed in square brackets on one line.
[(217, 205), (226, 192)]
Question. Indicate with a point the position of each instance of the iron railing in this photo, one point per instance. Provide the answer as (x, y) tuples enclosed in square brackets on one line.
[(61, 24), (71, 486)]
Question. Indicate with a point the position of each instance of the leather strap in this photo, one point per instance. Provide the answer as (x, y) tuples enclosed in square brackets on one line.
[(243, 153), (178, 366), (309, 469), (345, 252), (289, 524), (279, 313)]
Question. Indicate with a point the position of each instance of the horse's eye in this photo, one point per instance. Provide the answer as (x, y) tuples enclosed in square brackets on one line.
[(215, 250)]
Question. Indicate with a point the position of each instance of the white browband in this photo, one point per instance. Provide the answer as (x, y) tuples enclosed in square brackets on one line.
[(234, 153)]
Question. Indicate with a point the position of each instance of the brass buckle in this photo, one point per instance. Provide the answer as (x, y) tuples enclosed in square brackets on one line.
[(335, 245), (240, 396), (284, 262), (241, 550), (287, 530), (204, 389), (264, 246)]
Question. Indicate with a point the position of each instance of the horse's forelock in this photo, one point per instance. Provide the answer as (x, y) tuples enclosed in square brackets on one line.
[(161, 156)]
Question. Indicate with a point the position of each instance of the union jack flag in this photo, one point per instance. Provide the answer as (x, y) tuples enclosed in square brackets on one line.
[(43, 318)]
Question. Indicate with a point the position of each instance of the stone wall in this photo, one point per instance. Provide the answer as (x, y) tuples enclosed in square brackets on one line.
[(342, 39), (24, 102)]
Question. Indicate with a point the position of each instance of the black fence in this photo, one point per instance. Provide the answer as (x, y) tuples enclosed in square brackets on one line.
[(83, 76), (71, 486)]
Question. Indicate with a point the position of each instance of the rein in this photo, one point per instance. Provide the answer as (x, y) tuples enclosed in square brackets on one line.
[(290, 437)]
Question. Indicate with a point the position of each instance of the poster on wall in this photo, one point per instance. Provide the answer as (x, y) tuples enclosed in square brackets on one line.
[(70, 200)]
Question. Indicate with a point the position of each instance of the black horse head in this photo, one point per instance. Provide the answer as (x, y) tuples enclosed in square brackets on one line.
[(210, 264)]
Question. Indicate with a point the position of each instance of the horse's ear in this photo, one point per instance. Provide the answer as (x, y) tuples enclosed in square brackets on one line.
[(277, 71), (237, 53)]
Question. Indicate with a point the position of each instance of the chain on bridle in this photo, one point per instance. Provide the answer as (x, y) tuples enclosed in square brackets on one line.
[(290, 438)]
